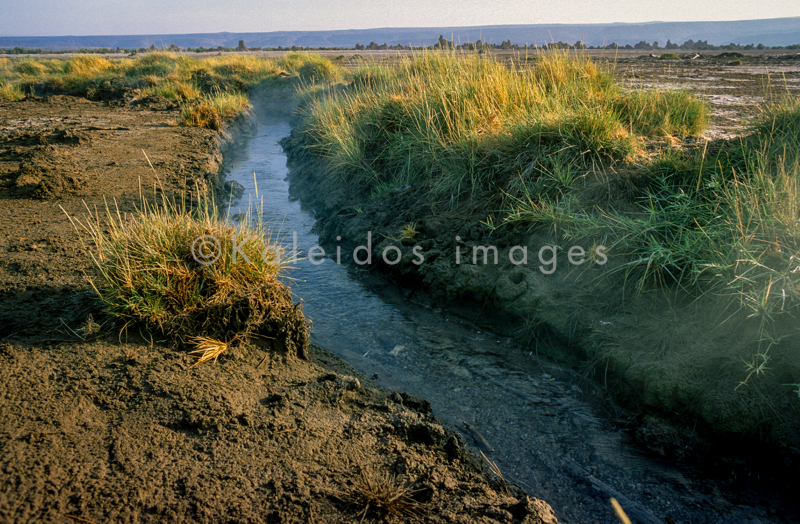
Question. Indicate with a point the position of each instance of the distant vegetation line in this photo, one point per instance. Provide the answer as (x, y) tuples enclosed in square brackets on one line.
[(689, 45), (770, 33)]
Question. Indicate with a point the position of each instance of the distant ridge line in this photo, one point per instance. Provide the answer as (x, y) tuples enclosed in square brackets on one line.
[(770, 32)]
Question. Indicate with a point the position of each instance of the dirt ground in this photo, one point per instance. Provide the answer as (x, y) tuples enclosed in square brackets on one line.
[(100, 425)]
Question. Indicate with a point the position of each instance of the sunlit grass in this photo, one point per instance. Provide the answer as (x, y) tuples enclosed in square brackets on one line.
[(466, 124), (724, 219), (174, 90), (173, 269), (221, 82), (11, 92)]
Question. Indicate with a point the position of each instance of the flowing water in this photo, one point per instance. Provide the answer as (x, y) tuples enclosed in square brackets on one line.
[(539, 424)]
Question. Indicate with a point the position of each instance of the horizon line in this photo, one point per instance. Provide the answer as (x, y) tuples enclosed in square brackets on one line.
[(406, 27)]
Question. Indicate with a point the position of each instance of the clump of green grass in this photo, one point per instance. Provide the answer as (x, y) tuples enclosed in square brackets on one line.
[(87, 65), (11, 92), (311, 68), (723, 219), (194, 276), (213, 109), (469, 124), (235, 72), (157, 65), (201, 115), (174, 90), (663, 113), (669, 56)]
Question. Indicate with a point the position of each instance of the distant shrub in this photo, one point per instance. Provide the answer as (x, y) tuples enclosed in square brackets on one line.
[(730, 55), (670, 56)]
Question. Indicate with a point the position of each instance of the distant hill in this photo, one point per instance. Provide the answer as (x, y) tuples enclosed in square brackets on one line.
[(772, 32)]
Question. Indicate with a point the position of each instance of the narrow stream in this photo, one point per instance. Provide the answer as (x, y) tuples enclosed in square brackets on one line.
[(539, 422)]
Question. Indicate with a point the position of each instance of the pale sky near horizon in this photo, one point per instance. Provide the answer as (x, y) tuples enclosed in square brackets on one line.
[(118, 17)]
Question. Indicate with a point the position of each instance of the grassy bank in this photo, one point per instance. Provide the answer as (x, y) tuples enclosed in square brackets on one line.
[(466, 125), (722, 219), (718, 218), (702, 237), (209, 89)]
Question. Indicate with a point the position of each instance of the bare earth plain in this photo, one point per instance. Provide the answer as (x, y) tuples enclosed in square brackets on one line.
[(98, 425)]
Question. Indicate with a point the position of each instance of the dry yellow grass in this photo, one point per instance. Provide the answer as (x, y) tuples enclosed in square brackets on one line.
[(209, 347), (87, 65)]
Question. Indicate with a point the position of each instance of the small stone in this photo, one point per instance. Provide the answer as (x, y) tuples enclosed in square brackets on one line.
[(233, 188)]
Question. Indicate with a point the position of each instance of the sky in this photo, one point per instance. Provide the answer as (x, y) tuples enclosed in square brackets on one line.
[(119, 17)]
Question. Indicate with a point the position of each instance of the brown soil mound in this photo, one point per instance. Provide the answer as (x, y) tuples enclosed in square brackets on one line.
[(266, 310)]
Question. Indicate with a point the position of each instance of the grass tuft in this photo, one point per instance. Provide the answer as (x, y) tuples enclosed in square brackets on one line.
[(174, 90), (311, 68), (87, 65), (213, 109), (208, 348), (201, 115), (176, 271), (11, 92), (380, 492)]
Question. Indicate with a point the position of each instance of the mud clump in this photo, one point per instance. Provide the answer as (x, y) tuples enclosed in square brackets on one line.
[(40, 182), (56, 185), (153, 103), (264, 311)]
